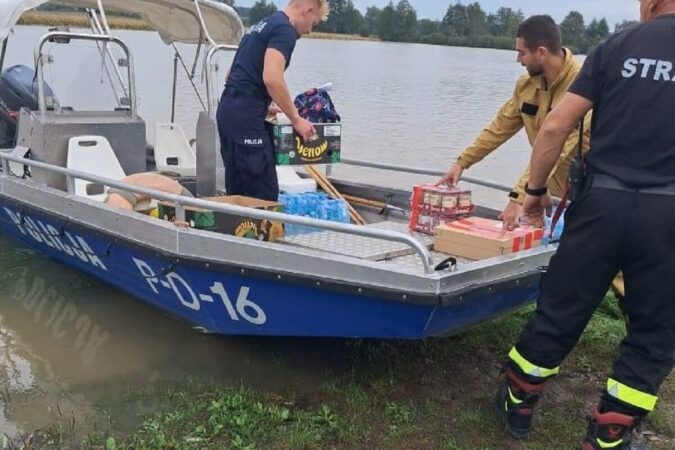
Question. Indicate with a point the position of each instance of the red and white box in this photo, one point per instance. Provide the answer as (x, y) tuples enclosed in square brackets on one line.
[(434, 205), (442, 200), (477, 238)]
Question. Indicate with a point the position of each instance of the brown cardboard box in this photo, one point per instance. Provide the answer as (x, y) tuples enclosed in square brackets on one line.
[(477, 238), (219, 222)]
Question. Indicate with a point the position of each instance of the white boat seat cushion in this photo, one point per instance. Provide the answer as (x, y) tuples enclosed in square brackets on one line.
[(173, 152), (93, 155)]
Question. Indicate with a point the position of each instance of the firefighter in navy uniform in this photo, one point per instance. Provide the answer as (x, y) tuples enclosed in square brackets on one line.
[(623, 219), (256, 78)]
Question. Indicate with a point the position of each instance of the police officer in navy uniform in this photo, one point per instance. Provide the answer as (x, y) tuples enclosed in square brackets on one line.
[(624, 219), (256, 78)]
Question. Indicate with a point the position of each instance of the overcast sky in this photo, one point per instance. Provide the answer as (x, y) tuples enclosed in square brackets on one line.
[(613, 10)]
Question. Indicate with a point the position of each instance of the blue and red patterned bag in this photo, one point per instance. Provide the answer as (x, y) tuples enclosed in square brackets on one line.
[(316, 106)]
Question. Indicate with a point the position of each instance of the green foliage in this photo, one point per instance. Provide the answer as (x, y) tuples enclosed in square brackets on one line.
[(406, 21), (236, 419), (573, 30), (456, 21), (260, 10), (505, 22), (468, 25), (344, 18), (386, 23)]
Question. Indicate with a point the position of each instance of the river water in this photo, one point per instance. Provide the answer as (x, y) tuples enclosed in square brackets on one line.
[(70, 345)]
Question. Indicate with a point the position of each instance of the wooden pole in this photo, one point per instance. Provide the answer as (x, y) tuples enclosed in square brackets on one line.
[(327, 186), (365, 202)]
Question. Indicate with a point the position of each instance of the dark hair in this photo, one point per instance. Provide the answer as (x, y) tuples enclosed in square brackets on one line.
[(540, 31)]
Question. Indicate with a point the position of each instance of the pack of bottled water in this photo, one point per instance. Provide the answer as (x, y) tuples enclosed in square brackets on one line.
[(315, 205), (557, 231)]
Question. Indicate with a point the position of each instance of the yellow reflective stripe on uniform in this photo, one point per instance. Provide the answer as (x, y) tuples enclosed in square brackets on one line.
[(513, 398), (631, 396), (604, 444), (529, 368)]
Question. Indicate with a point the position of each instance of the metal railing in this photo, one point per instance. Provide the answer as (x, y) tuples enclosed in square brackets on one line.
[(422, 171), (3, 51), (83, 37), (181, 202), (208, 69)]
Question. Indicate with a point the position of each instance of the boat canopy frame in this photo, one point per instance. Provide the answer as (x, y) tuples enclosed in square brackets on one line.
[(106, 39), (185, 21), (201, 12)]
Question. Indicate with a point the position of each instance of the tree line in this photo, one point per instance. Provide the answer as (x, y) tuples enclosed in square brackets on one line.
[(464, 24)]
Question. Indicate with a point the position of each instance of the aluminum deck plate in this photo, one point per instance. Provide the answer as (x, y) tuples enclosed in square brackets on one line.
[(359, 246)]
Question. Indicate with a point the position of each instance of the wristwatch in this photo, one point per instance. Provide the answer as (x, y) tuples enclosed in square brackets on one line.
[(536, 192), (513, 195)]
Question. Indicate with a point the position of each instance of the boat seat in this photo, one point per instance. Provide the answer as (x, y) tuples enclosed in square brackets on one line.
[(17, 169), (93, 155), (173, 152), (291, 183)]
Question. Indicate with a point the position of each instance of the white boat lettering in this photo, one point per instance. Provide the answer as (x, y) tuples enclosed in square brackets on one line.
[(242, 308), (257, 318), (50, 236)]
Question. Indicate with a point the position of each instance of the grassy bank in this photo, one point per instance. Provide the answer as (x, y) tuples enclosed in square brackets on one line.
[(79, 20), (435, 394)]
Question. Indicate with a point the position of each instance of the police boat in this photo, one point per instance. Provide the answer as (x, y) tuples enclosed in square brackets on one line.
[(373, 281)]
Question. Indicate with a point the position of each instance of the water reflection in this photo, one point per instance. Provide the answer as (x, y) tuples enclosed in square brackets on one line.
[(73, 347)]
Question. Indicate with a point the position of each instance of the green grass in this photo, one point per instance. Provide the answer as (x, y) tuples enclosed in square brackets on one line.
[(435, 394)]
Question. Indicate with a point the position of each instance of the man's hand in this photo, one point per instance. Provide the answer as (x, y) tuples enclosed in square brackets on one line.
[(534, 209), (304, 128), (452, 177), (511, 215)]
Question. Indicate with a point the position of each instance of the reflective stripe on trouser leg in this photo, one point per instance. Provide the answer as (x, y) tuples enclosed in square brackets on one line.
[(531, 369), (603, 444), (631, 396)]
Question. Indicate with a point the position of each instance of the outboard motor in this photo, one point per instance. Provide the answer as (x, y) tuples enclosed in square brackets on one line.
[(18, 89)]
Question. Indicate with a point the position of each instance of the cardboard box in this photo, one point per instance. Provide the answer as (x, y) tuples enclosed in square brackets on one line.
[(291, 149), (477, 238), (219, 222)]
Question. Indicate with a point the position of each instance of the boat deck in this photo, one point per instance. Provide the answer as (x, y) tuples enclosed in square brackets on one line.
[(388, 252)]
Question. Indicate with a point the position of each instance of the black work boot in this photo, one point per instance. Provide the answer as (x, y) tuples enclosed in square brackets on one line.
[(611, 430), (515, 403)]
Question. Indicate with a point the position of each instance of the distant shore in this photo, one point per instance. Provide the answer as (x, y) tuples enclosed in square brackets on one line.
[(77, 20), (80, 20)]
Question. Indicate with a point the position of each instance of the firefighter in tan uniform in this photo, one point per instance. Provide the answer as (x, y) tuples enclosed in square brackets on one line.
[(551, 70)]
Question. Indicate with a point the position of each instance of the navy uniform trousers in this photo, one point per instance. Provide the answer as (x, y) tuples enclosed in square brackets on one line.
[(609, 230), (246, 146)]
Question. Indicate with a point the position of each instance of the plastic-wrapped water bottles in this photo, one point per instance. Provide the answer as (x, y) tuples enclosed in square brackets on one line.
[(557, 231), (559, 226), (315, 205)]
